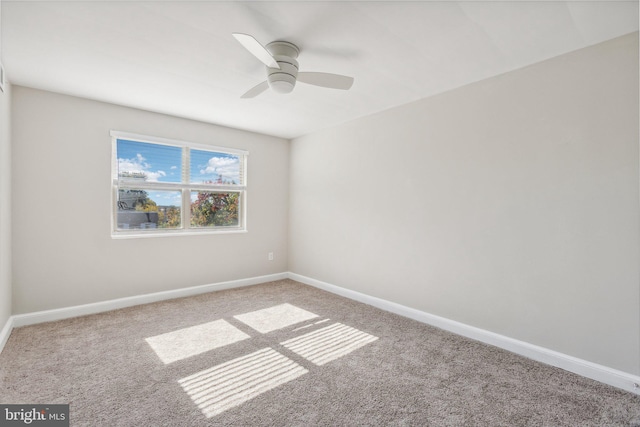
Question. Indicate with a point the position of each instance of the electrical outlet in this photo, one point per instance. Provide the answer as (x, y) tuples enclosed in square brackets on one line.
[(270, 256)]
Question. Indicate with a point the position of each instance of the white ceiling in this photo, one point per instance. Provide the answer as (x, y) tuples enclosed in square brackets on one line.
[(179, 57)]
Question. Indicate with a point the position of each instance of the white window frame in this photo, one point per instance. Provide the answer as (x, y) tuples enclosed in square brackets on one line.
[(185, 187)]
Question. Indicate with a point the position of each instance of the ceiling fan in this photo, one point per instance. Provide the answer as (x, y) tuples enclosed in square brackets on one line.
[(282, 68)]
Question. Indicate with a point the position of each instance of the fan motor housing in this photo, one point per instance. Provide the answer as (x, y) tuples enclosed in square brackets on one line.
[(283, 80)]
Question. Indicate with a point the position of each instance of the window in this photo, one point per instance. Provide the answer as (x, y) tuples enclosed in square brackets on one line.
[(164, 187)]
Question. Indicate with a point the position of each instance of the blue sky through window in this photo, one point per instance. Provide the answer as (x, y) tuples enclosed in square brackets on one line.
[(207, 166), (163, 163), (160, 163)]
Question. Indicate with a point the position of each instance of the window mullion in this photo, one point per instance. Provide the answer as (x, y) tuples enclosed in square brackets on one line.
[(186, 209), (148, 185), (209, 188), (186, 194)]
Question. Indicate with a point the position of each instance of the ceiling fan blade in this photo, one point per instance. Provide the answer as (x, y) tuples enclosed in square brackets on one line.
[(333, 81), (256, 49), (256, 90)]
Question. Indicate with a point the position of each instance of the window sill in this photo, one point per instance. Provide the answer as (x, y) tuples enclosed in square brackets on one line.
[(136, 235)]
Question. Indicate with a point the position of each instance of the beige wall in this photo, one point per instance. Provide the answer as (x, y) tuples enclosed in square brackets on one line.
[(5, 198), (510, 205), (5, 205), (63, 254)]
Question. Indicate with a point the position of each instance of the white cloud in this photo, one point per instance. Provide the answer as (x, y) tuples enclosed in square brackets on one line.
[(154, 176), (228, 167), (174, 167), (139, 165)]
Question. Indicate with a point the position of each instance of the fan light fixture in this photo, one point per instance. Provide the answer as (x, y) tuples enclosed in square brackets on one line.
[(282, 68)]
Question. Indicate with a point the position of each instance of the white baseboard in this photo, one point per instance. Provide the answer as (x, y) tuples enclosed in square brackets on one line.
[(594, 371), (99, 307), (5, 332)]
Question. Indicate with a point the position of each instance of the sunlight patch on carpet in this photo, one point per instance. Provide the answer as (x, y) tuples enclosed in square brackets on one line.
[(274, 318), (328, 343), (311, 324), (187, 342), (230, 384)]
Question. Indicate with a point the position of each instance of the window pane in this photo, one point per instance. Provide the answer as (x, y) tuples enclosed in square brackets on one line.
[(210, 167), (149, 162), (209, 209), (148, 209), (158, 181)]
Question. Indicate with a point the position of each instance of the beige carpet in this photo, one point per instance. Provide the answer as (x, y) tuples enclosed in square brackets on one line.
[(285, 354)]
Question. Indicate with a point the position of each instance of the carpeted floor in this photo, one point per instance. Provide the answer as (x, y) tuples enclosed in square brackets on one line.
[(285, 354)]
